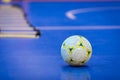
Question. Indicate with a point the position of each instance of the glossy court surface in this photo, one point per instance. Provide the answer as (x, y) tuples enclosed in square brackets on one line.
[(40, 59)]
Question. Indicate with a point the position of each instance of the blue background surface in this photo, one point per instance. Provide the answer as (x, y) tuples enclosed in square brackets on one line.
[(53, 14), (40, 59)]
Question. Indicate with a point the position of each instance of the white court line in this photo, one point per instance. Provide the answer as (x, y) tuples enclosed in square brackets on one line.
[(78, 27), (71, 14)]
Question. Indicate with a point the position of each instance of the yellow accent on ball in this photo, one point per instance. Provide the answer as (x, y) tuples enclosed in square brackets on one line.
[(6, 1), (70, 49)]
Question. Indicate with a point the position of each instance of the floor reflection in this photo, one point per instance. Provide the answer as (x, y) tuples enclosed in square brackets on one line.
[(75, 73)]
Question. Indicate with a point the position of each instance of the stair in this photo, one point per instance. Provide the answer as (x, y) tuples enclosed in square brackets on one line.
[(13, 23)]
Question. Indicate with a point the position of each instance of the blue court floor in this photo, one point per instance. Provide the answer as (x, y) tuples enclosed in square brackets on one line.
[(40, 59)]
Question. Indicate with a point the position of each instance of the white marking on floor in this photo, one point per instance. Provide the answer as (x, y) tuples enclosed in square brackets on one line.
[(71, 14), (77, 27)]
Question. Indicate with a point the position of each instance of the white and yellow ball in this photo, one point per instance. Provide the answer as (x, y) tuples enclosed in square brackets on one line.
[(76, 50)]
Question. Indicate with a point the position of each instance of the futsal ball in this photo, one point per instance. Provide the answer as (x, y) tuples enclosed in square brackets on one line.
[(76, 50)]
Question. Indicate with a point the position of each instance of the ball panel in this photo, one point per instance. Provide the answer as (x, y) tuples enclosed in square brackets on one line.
[(65, 54)]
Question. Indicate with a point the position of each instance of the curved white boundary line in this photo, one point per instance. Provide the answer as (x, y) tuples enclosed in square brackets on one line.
[(78, 27), (71, 14)]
